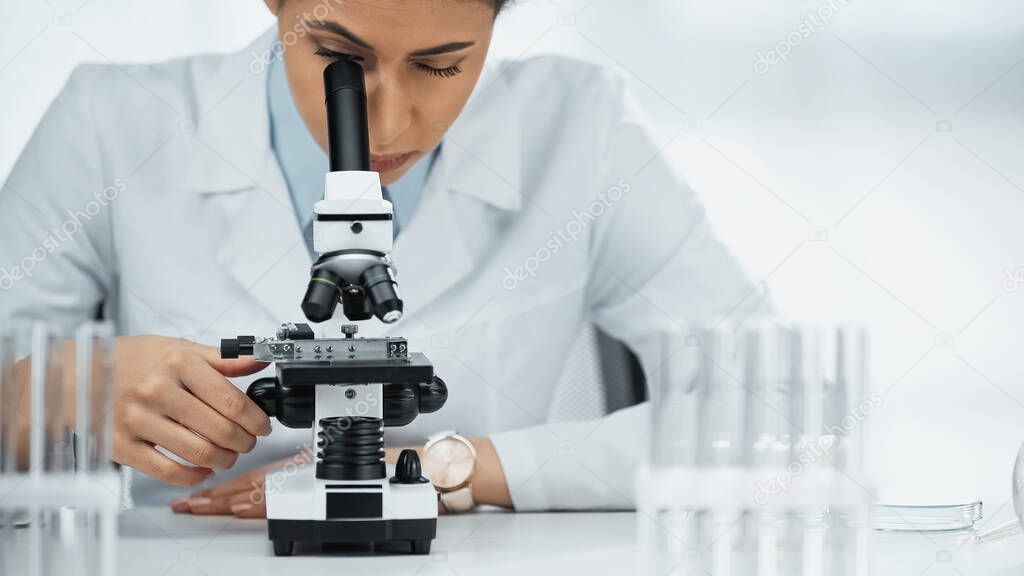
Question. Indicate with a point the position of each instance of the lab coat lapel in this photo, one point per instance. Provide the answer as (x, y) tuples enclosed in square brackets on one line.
[(235, 171), (264, 251), (430, 254), (479, 162)]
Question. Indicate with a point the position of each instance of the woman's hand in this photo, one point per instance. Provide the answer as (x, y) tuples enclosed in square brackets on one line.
[(244, 496), (175, 394)]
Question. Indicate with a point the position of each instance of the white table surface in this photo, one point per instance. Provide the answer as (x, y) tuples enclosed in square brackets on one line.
[(156, 541)]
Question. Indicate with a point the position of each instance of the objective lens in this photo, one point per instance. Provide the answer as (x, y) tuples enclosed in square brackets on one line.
[(321, 295), (382, 290), (354, 304)]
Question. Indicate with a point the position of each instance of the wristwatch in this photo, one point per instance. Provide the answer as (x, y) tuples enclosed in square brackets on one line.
[(449, 461)]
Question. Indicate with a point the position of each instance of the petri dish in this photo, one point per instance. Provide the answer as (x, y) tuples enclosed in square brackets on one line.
[(941, 518)]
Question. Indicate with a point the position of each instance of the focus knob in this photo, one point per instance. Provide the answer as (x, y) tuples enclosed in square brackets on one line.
[(229, 348), (235, 347), (407, 469), (433, 395), (264, 393)]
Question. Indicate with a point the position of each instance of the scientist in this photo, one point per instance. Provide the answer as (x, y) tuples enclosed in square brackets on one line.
[(176, 198)]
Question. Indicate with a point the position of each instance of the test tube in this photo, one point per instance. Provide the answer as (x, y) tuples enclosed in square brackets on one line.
[(94, 397), (846, 394), (674, 397), (722, 397), (671, 532), (767, 415), (8, 406), (8, 443), (756, 410), (69, 435), (93, 530)]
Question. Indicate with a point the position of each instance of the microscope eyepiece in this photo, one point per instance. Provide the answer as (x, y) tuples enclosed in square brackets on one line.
[(382, 291), (348, 141), (321, 295)]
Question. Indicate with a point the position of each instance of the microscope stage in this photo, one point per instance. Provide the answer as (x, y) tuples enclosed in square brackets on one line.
[(415, 368)]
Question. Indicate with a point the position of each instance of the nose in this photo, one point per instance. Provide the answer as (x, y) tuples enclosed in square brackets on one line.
[(390, 110)]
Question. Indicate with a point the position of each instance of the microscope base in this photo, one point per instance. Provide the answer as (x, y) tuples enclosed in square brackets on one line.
[(305, 509), (418, 532)]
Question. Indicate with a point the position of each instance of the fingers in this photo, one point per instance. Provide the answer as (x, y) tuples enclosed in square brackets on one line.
[(217, 392), (180, 505), (230, 367), (244, 504), (148, 460), (192, 413), (242, 494), (215, 499), (242, 500), (186, 444), (250, 510), (187, 407)]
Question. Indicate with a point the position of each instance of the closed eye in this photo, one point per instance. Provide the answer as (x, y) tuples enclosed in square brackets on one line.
[(446, 72), (332, 55)]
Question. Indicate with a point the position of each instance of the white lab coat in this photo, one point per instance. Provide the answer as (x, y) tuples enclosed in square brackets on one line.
[(549, 206)]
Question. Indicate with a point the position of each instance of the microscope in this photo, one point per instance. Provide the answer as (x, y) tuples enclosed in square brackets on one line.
[(347, 389)]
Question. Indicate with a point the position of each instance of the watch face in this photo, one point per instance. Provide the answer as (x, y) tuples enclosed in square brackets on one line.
[(448, 463)]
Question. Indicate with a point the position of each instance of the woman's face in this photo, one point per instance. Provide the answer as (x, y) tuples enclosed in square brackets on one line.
[(422, 59)]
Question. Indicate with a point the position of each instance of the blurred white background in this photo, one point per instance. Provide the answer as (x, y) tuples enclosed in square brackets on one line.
[(876, 175)]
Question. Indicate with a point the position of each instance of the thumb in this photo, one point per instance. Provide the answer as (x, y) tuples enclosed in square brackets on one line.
[(230, 367)]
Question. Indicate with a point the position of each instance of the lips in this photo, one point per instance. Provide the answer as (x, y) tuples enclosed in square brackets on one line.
[(382, 163)]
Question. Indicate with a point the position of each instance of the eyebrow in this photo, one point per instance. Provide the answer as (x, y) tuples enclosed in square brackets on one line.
[(441, 49), (335, 28)]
